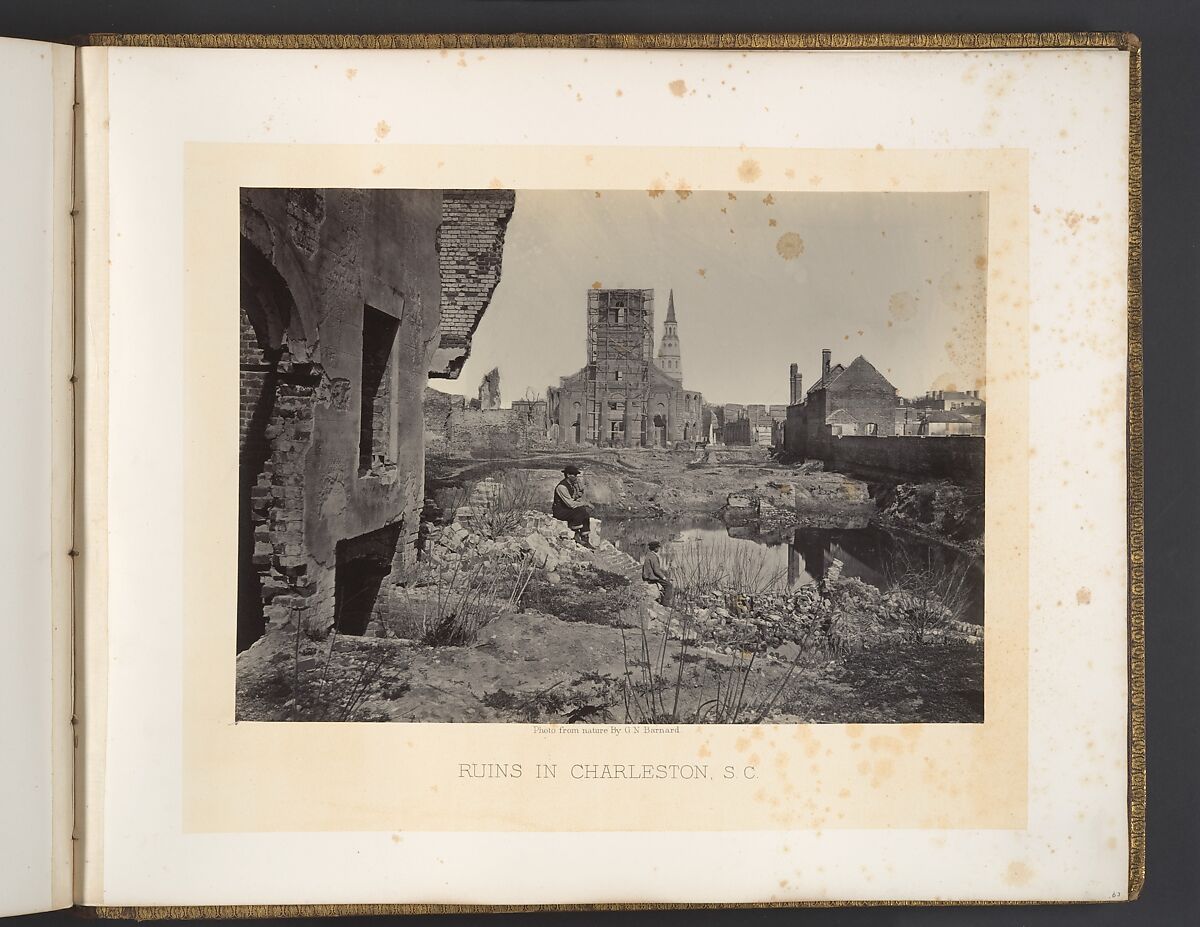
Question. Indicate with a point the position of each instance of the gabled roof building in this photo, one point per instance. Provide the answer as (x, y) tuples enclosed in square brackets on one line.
[(850, 399)]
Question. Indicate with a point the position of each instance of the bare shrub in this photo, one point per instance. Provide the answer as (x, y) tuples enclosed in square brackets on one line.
[(927, 594), (738, 569), (530, 706), (467, 599), (502, 506), (740, 697), (451, 499), (653, 693), (337, 687)]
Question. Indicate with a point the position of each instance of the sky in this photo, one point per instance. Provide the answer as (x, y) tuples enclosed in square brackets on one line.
[(761, 281)]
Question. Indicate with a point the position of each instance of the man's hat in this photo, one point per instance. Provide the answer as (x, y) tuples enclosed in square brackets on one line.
[(654, 545), (571, 470)]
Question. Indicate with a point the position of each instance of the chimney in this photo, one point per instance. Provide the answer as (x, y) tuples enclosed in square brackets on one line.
[(797, 390), (825, 362)]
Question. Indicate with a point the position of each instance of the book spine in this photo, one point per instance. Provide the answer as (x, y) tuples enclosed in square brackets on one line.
[(91, 470)]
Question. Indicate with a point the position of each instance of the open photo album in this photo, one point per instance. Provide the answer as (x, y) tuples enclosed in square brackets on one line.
[(454, 458)]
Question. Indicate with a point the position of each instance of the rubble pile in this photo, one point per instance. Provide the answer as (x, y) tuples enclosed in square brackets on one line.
[(940, 509), (534, 537), (810, 498), (838, 615)]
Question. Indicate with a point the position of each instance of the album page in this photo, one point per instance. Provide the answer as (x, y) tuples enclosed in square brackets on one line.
[(35, 506), (551, 476)]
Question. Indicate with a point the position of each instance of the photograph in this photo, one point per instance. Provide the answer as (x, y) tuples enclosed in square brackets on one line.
[(655, 457)]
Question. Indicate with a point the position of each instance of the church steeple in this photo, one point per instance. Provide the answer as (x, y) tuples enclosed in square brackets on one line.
[(669, 361)]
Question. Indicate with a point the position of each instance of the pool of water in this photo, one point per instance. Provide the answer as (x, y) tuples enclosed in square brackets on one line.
[(871, 554)]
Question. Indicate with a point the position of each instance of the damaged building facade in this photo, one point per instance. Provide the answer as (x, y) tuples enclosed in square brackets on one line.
[(854, 399), (625, 396), (853, 420), (350, 300)]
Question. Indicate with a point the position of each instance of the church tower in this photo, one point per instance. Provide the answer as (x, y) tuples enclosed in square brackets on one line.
[(668, 351)]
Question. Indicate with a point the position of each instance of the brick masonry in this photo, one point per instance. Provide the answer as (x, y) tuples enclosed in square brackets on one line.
[(452, 424), (470, 247)]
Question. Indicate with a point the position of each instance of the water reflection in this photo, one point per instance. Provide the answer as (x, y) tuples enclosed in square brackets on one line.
[(866, 553)]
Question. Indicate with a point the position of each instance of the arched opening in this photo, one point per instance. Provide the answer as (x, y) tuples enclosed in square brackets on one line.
[(276, 397), (660, 424)]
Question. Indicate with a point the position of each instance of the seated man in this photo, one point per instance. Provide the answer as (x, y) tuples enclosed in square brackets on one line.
[(569, 506), (653, 572)]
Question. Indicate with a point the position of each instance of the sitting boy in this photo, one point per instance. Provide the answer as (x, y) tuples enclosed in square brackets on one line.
[(653, 572)]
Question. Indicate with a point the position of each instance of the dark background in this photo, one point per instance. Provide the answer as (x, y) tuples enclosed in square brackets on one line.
[(1170, 33)]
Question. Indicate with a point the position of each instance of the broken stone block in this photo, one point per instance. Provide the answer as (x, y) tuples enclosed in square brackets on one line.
[(539, 547), (271, 590)]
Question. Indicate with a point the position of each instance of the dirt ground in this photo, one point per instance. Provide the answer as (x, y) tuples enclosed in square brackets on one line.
[(531, 667), (609, 653)]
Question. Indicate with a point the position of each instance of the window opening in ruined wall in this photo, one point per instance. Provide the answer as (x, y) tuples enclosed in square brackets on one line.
[(377, 431)]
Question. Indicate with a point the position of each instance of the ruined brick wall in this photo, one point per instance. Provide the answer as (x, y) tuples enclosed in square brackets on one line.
[(278, 500), (483, 431), (686, 416), (536, 411), (437, 408), (489, 390), (256, 401), (793, 432), (335, 257), (804, 430), (739, 431), (958, 458), (452, 425), (567, 405), (256, 369), (470, 245), (903, 457)]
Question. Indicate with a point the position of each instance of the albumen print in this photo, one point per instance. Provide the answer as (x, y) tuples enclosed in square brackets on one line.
[(644, 457)]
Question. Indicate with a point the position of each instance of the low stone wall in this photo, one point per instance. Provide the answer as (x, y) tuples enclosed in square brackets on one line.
[(958, 458), (910, 458), (811, 500)]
